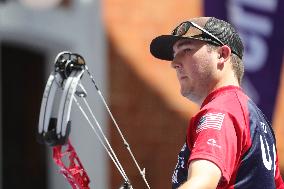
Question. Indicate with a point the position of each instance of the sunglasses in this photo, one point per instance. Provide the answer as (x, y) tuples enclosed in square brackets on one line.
[(190, 29)]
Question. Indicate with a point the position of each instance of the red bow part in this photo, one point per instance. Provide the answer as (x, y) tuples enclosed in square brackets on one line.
[(73, 169)]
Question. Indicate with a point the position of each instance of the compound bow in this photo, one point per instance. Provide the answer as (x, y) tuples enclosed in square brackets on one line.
[(65, 82)]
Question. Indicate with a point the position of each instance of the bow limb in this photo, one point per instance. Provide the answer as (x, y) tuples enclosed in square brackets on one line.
[(63, 121)]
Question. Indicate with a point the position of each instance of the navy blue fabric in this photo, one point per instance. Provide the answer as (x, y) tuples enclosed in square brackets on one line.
[(181, 170), (261, 153)]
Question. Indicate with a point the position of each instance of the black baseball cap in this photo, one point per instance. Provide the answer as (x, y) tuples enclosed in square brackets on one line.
[(210, 29)]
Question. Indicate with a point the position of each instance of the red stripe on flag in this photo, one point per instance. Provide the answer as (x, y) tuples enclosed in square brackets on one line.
[(210, 120)]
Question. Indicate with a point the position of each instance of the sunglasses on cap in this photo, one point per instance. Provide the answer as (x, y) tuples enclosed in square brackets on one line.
[(192, 30)]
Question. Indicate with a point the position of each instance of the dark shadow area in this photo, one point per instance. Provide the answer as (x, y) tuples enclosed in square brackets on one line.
[(24, 160)]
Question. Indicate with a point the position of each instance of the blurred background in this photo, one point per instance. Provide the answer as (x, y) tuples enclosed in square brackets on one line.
[(114, 36)]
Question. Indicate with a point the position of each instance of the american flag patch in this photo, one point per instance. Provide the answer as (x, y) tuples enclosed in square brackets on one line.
[(210, 120)]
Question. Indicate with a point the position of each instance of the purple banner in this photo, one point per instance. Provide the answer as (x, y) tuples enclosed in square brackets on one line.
[(260, 24)]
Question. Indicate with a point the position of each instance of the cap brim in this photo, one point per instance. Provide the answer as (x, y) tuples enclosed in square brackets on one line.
[(162, 46)]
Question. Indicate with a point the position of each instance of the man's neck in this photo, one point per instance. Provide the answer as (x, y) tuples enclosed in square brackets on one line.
[(232, 82)]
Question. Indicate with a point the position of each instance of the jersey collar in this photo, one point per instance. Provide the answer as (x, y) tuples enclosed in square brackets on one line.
[(219, 91)]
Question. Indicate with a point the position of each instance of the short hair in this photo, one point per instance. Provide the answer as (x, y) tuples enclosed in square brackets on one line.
[(236, 63), (238, 67)]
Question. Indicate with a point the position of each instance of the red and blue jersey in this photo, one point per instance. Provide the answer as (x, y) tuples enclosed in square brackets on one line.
[(232, 132)]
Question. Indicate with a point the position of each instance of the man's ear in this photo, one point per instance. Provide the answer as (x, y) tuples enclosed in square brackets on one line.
[(224, 53)]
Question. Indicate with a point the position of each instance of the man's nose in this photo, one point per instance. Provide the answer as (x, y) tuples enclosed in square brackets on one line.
[(176, 63)]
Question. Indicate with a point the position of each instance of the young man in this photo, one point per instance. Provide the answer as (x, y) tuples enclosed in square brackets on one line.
[(229, 142)]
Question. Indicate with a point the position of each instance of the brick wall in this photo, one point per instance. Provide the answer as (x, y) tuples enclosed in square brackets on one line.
[(143, 93), (154, 131)]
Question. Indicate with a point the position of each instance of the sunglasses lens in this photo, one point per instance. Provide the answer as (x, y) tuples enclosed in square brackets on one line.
[(193, 31), (186, 29), (189, 29), (181, 29)]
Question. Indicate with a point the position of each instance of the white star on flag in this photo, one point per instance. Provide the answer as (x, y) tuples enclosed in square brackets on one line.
[(210, 120)]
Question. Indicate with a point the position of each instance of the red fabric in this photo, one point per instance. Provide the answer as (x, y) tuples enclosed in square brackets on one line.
[(278, 179), (214, 145), (225, 141)]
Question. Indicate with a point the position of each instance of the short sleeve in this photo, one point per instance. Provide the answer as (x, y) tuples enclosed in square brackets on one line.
[(214, 139)]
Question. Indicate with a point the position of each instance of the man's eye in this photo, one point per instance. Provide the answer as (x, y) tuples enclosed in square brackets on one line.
[(182, 52), (186, 50)]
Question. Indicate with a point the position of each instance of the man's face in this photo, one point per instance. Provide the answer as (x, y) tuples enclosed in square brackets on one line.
[(194, 64)]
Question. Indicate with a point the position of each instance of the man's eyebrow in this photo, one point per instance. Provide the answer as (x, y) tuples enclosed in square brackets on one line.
[(186, 42)]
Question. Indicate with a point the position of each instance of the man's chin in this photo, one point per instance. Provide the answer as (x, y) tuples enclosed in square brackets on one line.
[(189, 95), (185, 93)]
